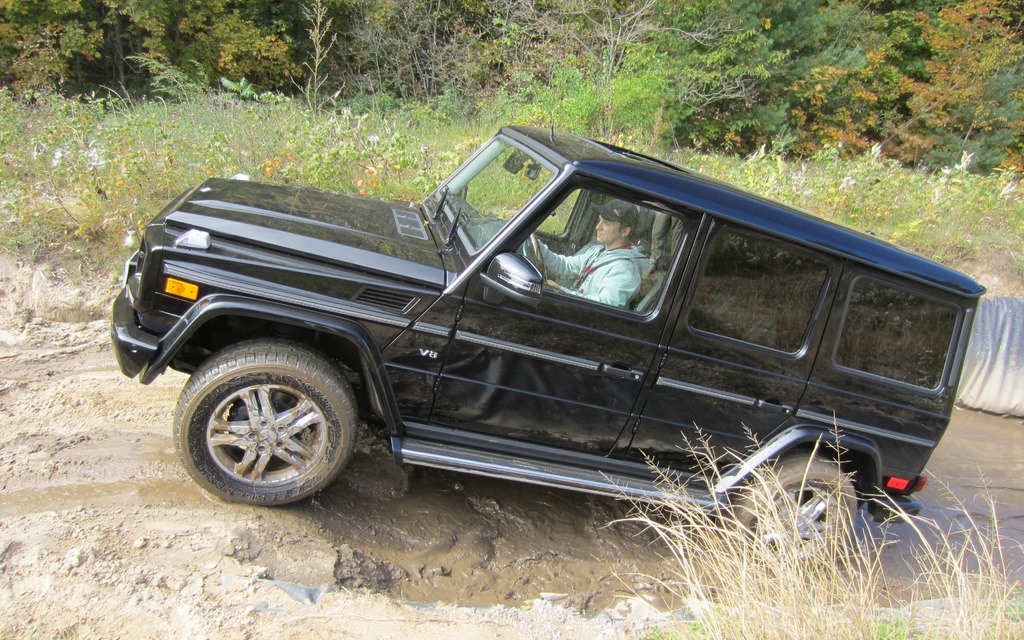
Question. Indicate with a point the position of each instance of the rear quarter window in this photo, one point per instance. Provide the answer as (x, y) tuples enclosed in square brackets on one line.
[(896, 334)]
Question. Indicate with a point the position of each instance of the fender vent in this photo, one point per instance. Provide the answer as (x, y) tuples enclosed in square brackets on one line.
[(385, 299)]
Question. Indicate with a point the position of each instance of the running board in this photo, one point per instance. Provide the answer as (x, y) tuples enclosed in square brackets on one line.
[(549, 474)]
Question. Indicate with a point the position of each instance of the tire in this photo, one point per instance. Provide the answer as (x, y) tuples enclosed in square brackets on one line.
[(299, 440), (810, 496)]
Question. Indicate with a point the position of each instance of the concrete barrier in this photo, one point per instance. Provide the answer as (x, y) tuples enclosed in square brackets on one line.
[(993, 377)]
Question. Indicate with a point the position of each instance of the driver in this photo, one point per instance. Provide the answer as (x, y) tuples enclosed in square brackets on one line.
[(608, 271)]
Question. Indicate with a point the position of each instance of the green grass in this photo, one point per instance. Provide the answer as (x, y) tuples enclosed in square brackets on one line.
[(80, 178)]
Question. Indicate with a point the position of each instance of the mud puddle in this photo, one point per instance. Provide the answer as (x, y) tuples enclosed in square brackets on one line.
[(977, 483), (79, 435), (450, 537), (441, 536)]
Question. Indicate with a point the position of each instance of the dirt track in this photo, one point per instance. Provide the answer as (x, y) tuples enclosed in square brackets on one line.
[(103, 535)]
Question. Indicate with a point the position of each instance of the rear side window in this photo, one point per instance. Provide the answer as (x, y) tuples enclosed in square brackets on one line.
[(757, 291), (896, 334)]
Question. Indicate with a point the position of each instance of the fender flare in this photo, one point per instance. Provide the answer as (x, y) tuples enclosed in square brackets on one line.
[(217, 305), (793, 438)]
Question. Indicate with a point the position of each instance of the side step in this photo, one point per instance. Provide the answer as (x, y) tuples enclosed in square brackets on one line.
[(545, 473)]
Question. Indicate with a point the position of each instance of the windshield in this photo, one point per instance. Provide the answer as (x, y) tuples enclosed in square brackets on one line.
[(488, 192)]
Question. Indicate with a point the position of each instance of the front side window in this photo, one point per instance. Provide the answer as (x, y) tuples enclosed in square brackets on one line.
[(489, 191), (896, 334), (758, 292)]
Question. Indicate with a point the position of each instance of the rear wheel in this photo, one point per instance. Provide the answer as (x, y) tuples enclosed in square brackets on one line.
[(265, 422), (808, 497)]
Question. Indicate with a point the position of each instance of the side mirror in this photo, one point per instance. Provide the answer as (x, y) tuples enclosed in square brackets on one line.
[(512, 275)]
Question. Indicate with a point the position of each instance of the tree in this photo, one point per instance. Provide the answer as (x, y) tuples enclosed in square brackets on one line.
[(415, 48), (615, 27), (523, 39), (970, 100), (40, 42), (857, 90), (719, 64)]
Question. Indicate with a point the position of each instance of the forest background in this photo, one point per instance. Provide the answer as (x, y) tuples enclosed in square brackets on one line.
[(926, 79), (904, 118)]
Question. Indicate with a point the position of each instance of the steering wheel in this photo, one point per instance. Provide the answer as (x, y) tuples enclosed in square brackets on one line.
[(535, 253)]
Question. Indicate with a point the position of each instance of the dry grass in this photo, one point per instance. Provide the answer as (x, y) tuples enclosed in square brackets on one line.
[(751, 573)]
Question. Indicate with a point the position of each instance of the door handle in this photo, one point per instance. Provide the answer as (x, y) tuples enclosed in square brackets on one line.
[(619, 372), (773, 405)]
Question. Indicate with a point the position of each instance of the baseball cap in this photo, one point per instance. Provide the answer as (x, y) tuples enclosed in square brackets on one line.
[(616, 210)]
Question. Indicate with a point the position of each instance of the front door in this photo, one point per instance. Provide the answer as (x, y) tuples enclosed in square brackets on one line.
[(567, 372)]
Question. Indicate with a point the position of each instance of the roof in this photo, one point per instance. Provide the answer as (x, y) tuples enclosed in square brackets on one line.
[(673, 184)]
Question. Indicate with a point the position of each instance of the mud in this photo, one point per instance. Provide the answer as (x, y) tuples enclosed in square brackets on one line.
[(102, 533), (99, 525), (977, 477)]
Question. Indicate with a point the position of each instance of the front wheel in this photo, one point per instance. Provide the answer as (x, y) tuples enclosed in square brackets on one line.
[(265, 422)]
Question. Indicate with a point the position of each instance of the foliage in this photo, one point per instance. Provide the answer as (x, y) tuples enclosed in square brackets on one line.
[(172, 82), (82, 176), (245, 90), (719, 62), (970, 101), (929, 80), (415, 49)]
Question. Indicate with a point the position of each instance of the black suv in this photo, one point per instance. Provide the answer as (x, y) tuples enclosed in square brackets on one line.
[(560, 311)]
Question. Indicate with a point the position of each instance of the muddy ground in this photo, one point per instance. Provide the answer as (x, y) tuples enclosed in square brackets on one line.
[(103, 535)]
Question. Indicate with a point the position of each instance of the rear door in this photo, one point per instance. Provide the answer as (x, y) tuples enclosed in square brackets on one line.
[(886, 370), (742, 348)]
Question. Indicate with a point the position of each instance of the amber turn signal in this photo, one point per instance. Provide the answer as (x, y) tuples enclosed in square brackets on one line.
[(181, 289)]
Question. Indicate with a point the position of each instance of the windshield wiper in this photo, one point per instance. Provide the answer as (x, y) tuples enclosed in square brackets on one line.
[(440, 204), (455, 228)]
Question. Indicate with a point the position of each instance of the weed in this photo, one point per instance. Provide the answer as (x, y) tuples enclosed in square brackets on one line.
[(86, 174), (754, 572), (660, 634), (319, 26)]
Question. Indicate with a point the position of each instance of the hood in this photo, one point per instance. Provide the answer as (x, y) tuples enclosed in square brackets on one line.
[(370, 234)]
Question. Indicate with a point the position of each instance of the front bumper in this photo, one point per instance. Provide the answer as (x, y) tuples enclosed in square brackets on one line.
[(134, 347)]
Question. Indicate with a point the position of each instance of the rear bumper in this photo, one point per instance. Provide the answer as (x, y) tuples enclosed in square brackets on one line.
[(894, 507), (134, 347)]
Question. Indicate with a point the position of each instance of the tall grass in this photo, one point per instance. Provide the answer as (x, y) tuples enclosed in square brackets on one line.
[(79, 178), (952, 216), (759, 576)]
